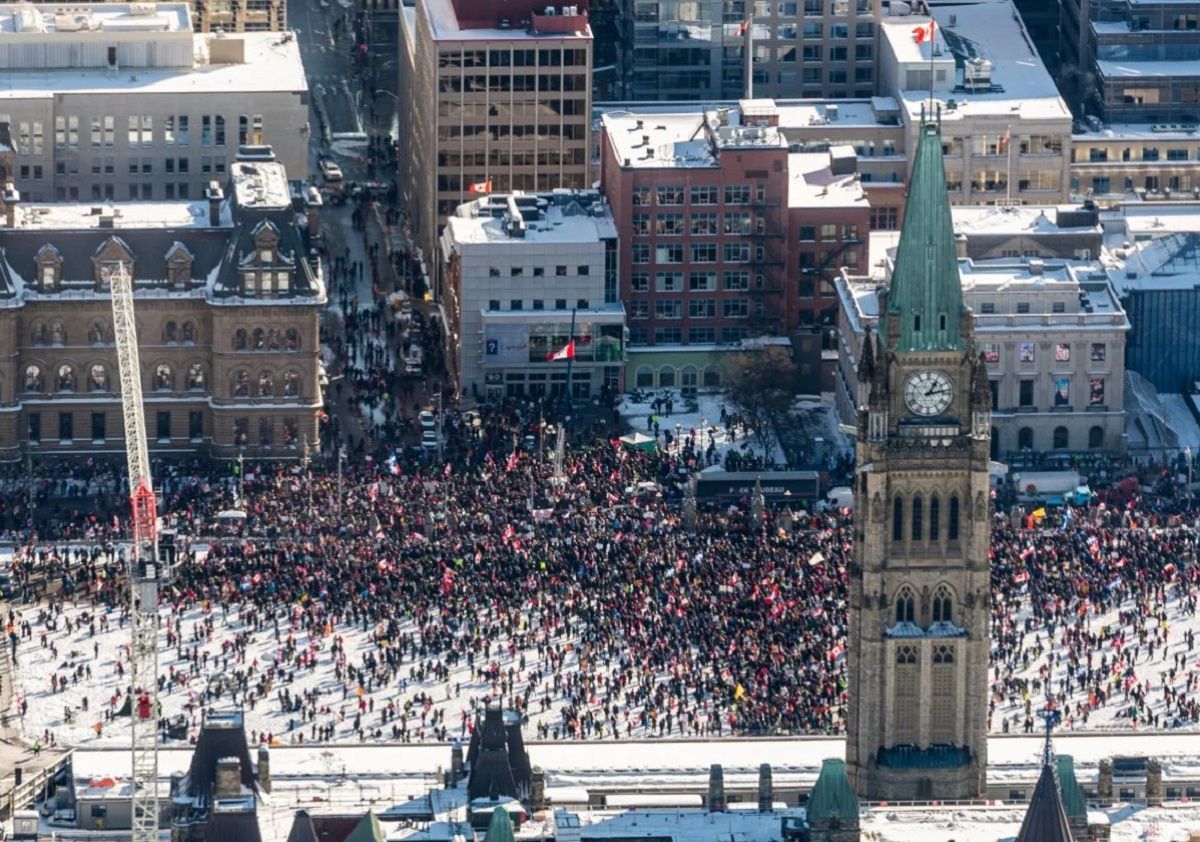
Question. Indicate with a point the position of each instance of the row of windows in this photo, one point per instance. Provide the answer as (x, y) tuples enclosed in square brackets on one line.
[(941, 609), (705, 194), (97, 380), (140, 131), (560, 271), (695, 335), (1026, 352), (921, 526), (669, 377), (698, 308), (99, 426), (266, 339), (1060, 438), (538, 304)]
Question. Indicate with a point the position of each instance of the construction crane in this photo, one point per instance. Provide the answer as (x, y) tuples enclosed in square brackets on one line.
[(142, 565)]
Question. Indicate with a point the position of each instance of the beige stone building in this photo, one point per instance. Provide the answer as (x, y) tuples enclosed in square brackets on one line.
[(495, 95), (919, 585), (227, 299), (124, 101)]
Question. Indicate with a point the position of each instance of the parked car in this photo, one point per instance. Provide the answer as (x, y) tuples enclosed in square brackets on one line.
[(427, 420), (330, 171), (429, 440)]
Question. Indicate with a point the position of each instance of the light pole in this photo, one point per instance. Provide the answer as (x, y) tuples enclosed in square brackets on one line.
[(308, 476), (1187, 452), (241, 480)]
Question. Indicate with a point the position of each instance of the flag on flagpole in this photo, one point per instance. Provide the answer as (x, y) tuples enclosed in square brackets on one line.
[(481, 187), (745, 24), (1006, 139), (567, 352), (921, 34)]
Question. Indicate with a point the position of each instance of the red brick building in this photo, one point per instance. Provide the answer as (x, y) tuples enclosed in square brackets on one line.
[(725, 234)]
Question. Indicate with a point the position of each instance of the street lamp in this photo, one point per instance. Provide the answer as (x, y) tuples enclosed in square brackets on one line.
[(1187, 452)]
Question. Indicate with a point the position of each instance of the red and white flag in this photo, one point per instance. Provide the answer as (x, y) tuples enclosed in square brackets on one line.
[(921, 34), (567, 352), (481, 187)]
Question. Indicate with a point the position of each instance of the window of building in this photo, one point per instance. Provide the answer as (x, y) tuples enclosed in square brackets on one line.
[(162, 424), (195, 425), (1062, 352), (918, 515), (1099, 350), (66, 427), (897, 520), (516, 304), (1025, 392)]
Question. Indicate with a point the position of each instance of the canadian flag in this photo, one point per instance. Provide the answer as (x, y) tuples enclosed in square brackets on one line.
[(567, 352), (481, 187), (920, 34)]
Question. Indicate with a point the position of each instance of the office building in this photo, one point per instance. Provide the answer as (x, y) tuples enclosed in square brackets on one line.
[(117, 102), (520, 269), (726, 235), (696, 51), (231, 15), (1006, 131), (1053, 336), (495, 98), (228, 300), (1132, 61)]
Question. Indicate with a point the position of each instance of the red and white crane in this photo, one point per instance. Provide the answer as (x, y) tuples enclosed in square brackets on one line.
[(142, 565)]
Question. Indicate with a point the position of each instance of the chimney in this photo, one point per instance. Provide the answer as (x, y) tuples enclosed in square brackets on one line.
[(1154, 782), (716, 789), (12, 197), (264, 768), (960, 246), (1037, 266), (215, 196), (1104, 784), (312, 207), (229, 778), (766, 789)]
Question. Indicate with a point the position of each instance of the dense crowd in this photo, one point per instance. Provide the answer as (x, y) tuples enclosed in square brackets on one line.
[(391, 602)]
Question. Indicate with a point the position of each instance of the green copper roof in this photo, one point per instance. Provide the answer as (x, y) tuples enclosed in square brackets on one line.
[(367, 830), (1074, 801), (500, 828), (831, 794), (926, 290)]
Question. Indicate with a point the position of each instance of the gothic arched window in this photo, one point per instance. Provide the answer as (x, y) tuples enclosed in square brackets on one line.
[(943, 605), (897, 518), (918, 513), (935, 517), (239, 339), (952, 527), (906, 606)]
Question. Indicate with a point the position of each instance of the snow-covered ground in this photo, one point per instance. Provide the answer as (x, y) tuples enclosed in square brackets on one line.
[(707, 415)]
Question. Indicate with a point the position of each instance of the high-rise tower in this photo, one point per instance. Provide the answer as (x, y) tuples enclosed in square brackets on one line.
[(918, 646)]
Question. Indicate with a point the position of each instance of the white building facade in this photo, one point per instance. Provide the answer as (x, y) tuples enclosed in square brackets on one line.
[(1053, 335), (526, 273), (123, 101)]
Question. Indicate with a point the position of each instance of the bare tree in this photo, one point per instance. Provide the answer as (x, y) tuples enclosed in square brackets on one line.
[(762, 385)]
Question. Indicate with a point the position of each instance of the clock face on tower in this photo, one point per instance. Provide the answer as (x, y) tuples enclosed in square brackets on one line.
[(928, 393)]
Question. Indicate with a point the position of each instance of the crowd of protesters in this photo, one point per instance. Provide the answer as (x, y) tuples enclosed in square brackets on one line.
[(392, 601)]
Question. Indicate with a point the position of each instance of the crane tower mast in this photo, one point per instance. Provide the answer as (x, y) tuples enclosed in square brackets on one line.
[(143, 564)]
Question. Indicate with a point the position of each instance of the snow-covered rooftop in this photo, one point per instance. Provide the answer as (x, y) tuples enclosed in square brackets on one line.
[(1151, 69), (675, 139), (444, 21), (562, 224), (61, 216), (73, 19), (811, 183), (272, 64), (260, 184), (1021, 88), (1013, 219)]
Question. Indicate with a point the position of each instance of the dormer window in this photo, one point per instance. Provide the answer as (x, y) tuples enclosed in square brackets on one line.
[(179, 266), (49, 269), (265, 256)]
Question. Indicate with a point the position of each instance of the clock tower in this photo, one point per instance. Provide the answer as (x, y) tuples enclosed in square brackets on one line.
[(919, 585)]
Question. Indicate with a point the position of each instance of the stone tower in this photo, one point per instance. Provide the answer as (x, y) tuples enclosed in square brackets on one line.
[(917, 653)]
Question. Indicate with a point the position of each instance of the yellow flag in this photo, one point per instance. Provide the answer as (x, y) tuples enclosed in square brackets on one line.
[(738, 692), (1039, 513)]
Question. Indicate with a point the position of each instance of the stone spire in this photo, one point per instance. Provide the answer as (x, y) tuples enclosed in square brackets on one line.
[(925, 294), (1046, 818)]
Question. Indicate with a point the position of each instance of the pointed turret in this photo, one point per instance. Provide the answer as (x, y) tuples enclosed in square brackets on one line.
[(926, 290), (1046, 819), (500, 828)]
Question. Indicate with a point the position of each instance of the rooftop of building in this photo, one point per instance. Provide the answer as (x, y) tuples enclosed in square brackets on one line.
[(1031, 277), (1023, 219), (562, 217), (78, 216), (76, 19), (1019, 86), (260, 184), (1139, 131), (792, 113), (1149, 220), (1148, 69), (1170, 262), (507, 20), (688, 139), (812, 184), (271, 63)]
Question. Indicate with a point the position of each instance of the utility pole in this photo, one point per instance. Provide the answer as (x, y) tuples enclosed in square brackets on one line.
[(29, 478), (241, 480), (438, 424)]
